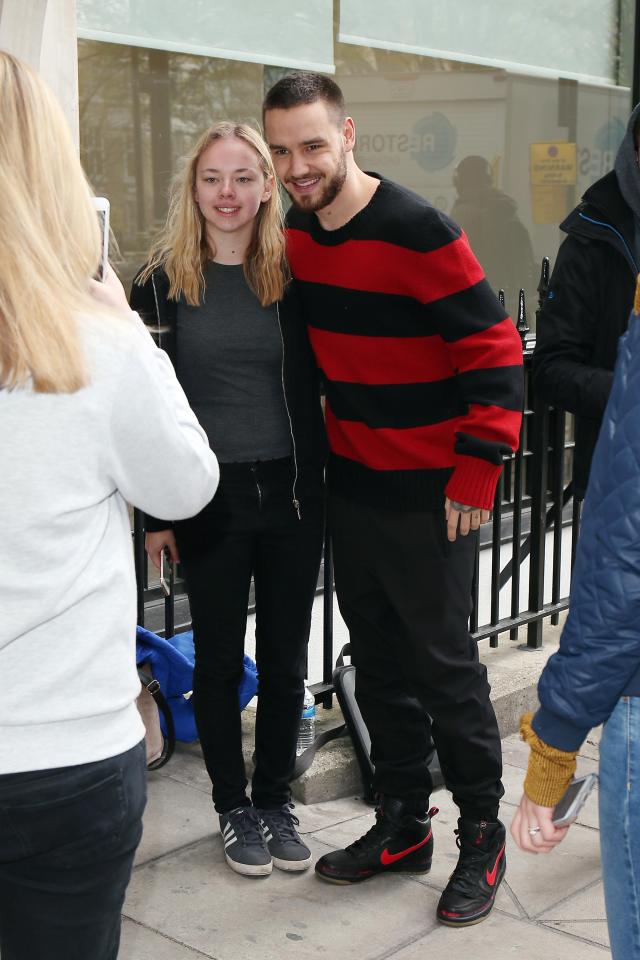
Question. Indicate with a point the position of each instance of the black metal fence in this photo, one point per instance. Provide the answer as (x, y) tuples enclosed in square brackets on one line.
[(534, 505)]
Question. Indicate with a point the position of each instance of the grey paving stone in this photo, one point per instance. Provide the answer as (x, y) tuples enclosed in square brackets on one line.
[(138, 943), (317, 816), (176, 815), (583, 915), (187, 766), (498, 938), (193, 897), (515, 752)]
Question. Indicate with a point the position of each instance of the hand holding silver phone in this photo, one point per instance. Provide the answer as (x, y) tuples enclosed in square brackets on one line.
[(569, 806)]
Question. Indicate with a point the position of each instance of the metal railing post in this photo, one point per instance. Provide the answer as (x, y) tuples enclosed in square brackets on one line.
[(327, 622), (139, 559), (538, 475)]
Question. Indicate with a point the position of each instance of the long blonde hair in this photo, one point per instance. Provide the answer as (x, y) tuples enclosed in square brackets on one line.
[(49, 237), (182, 248)]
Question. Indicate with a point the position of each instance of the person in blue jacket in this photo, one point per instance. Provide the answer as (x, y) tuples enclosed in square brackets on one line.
[(594, 677)]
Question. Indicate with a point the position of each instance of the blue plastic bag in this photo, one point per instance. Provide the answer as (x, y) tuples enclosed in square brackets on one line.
[(172, 665)]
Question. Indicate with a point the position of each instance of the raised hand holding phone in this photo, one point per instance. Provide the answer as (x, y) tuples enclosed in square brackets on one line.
[(110, 292)]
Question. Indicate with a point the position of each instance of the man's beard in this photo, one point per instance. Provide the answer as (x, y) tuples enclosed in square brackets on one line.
[(328, 193)]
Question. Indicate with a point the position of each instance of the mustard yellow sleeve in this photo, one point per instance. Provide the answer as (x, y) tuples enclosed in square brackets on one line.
[(550, 770)]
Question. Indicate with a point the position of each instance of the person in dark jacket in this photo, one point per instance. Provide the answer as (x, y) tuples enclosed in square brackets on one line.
[(216, 290), (594, 677), (497, 235), (590, 296)]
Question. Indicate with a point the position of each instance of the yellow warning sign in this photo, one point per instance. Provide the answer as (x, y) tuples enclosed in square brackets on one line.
[(549, 203), (553, 163)]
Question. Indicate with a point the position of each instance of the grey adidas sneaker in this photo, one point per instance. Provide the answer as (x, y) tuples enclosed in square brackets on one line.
[(287, 850), (245, 847)]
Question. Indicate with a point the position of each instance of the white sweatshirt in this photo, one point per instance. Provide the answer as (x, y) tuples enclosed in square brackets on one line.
[(68, 463)]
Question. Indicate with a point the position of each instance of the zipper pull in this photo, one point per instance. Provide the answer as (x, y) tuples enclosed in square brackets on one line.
[(296, 507)]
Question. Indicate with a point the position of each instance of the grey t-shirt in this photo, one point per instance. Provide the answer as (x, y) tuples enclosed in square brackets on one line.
[(229, 362)]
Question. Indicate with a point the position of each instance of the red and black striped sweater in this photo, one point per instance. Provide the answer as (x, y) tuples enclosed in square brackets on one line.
[(423, 367)]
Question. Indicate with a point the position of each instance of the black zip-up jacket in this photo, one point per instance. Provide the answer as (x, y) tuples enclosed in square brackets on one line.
[(300, 382), (586, 312)]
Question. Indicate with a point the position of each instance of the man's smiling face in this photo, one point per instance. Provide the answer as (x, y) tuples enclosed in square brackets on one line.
[(308, 146)]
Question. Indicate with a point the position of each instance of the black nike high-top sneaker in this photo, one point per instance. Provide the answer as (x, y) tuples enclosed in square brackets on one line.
[(471, 891), (399, 841)]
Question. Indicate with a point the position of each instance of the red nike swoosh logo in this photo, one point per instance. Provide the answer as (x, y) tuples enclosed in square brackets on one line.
[(491, 875), (386, 858)]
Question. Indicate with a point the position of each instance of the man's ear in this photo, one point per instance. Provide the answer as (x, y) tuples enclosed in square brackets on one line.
[(349, 134)]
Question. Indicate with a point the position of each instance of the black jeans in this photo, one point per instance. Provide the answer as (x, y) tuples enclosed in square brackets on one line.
[(251, 528), (67, 841), (405, 594)]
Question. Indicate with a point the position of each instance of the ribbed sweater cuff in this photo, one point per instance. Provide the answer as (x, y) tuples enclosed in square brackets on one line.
[(473, 482), (550, 771)]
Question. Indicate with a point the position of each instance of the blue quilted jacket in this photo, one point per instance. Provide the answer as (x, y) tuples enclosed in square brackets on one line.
[(599, 656)]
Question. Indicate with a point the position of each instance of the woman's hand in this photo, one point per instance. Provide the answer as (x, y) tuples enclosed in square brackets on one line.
[(110, 292), (156, 542), (532, 829)]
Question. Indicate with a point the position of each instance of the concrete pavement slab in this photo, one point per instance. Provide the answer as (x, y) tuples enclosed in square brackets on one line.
[(583, 915), (498, 938), (321, 815), (193, 897), (176, 815), (515, 752), (139, 943), (187, 766)]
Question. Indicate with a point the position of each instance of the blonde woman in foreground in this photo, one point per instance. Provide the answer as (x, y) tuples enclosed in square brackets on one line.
[(216, 289), (91, 416)]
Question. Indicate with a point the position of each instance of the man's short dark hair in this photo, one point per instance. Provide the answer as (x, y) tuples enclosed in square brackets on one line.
[(301, 88)]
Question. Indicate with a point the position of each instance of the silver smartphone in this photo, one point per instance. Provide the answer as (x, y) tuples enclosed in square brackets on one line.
[(166, 572), (102, 207), (569, 806)]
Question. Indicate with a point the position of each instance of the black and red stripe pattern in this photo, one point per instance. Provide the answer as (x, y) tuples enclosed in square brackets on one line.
[(423, 368)]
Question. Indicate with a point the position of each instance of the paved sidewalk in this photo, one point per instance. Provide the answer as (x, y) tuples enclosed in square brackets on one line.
[(185, 903)]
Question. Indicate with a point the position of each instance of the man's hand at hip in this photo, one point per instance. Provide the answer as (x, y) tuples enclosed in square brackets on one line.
[(461, 517)]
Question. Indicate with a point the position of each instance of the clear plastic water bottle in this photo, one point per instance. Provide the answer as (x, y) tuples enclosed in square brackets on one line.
[(307, 731)]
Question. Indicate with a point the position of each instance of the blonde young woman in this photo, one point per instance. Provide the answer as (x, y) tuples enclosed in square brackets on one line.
[(216, 290), (91, 415)]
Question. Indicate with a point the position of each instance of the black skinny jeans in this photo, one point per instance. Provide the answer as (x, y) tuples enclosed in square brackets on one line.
[(251, 528), (405, 594)]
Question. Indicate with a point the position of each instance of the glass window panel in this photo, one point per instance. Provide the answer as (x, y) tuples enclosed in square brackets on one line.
[(418, 119), (260, 32), (574, 38), (461, 136), (140, 112)]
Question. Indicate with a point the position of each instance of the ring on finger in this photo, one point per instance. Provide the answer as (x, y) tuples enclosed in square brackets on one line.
[(533, 831)]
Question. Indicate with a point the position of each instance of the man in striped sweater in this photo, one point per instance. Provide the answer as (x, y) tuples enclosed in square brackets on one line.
[(423, 373)]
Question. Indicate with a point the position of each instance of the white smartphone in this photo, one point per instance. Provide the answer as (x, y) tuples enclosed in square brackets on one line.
[(102, 206), (570, 804)]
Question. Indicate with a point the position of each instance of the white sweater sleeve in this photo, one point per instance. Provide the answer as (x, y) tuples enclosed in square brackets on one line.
[(159, 456)]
